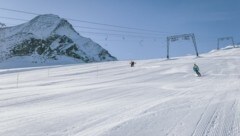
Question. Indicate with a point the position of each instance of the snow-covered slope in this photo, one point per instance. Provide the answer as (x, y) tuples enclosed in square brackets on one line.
[(155, 98), (48, 39)]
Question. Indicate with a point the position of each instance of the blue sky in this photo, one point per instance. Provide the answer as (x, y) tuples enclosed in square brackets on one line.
[(207, 19)]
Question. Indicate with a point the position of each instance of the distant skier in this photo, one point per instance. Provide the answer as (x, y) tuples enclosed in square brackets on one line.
[(132, 63), (196, 69)]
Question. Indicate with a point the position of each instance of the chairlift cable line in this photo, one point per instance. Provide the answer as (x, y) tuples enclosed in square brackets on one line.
[(11, 18), (106, 33), (90, 22)]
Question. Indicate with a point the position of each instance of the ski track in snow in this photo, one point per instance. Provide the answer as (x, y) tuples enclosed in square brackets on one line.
[(155, 98)]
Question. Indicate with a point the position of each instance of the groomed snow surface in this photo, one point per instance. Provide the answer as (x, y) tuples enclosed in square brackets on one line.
[(155, 98)]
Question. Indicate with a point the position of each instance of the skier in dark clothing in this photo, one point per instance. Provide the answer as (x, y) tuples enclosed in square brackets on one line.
[(196, 69), (132, 63)]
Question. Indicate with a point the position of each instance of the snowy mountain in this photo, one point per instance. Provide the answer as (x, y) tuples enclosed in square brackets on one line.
[(48, 39), (154, 98)]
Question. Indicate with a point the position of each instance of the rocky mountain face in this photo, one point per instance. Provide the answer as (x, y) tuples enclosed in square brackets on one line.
[(48, 39)]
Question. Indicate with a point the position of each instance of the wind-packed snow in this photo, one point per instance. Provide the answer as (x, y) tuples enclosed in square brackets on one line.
[(154, 98)]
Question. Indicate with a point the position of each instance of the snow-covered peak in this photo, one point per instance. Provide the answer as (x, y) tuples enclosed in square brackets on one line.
[(46, 17), (41, 26), (42, 33)]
